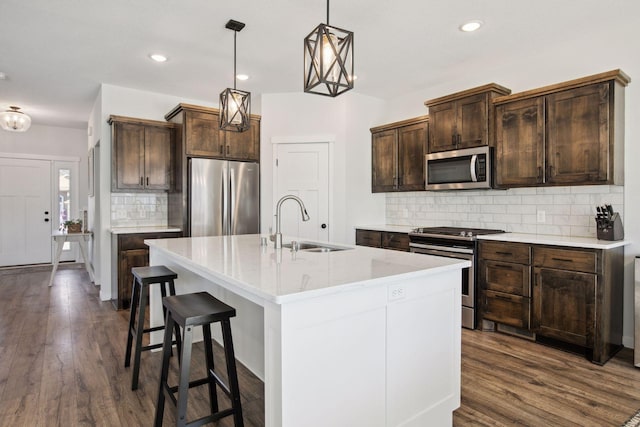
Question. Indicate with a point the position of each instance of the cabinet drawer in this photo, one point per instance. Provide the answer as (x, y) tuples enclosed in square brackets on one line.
[(507, 309), (502, 251), (506, 277), (566, 259), (369, 238), (396, 241)]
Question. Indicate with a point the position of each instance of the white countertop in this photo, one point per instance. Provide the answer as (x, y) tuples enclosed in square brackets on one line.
[(139, 230), (282, 276), (542, 239), (387, 227)]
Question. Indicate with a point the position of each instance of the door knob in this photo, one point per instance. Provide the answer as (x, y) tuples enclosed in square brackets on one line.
[(323, 226)]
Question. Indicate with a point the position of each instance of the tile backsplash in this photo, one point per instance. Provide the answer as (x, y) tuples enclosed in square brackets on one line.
[(559, 211), (138, 209)]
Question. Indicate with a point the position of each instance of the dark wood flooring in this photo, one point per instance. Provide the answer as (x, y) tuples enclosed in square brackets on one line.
[(62, 352)]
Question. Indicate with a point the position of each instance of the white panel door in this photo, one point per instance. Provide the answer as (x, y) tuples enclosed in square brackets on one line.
[(303, 170), (25, 211)]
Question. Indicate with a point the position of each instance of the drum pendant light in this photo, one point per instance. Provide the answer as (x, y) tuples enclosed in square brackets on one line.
[(235, 105), (328, 60), (14, 120)]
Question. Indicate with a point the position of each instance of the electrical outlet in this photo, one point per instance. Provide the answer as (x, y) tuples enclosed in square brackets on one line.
[(542, 216), (396, 292)]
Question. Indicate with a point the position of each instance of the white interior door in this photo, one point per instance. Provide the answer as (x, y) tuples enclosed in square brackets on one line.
[(302, 169), (25, 211)]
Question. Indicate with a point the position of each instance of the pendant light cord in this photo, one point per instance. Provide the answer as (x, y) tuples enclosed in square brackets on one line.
[(327, 12), (235, 33)]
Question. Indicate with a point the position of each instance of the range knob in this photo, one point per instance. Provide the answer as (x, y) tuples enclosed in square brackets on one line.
[(463, 233), (469, 234)]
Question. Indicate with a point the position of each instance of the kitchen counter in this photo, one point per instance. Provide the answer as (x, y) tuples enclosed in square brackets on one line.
[(386, 323), (387, 227), (542, 239), (140, 230)]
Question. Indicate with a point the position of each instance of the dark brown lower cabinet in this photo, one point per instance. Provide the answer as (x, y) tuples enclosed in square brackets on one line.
[(131, 252), (575, 296), (383, 239)]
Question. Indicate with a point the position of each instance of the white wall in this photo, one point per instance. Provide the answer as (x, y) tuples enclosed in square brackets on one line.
[(346, 118), (595, 50)]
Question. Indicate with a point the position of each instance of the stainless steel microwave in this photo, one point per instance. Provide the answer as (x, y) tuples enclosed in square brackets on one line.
[(469, 168)]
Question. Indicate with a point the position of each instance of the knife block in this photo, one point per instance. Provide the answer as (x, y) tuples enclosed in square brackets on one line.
[(610, 230)]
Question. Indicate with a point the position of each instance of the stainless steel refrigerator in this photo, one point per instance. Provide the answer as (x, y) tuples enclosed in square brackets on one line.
[(224, 197)]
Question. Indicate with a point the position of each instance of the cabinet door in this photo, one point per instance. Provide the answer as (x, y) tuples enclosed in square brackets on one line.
[(369, 238), (564, 305), (395, 241), (128, 260), (412, 142), (383, 159), (158, 148), (243, 145), (442, 127), (520, 143), (578, 135), (203, 137), (128, 149), (472, 122)]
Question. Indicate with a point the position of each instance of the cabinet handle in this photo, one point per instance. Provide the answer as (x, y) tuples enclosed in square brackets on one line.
[(227, 150), (141, 180), (539, 173), (503, 297), (459, 139), (221, 149), (147, 181), (504, 253), (508, 267), (562, 259), (453, 139), (399, 181)]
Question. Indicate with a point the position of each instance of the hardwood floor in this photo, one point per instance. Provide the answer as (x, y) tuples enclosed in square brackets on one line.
[(62, 363)]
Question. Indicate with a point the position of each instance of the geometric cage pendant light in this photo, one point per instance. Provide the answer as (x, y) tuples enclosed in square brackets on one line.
[(14, 120), (328, 60), (235, 105)]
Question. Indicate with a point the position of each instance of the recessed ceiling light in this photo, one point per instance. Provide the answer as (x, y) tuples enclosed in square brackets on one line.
[(3, 76), (242, 77), (158, 57), (470, 26)]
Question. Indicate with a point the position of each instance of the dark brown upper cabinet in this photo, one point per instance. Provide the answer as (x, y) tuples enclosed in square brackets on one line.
[(397, 155), (570, 133), (202, 137), (463, 119), (142, 154)]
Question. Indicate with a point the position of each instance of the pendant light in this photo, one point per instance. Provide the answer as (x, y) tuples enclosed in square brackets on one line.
[(235, 105), (14, 120), (328, 60)]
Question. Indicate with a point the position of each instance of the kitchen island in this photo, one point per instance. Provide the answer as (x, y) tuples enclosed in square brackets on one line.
[(354, 337)]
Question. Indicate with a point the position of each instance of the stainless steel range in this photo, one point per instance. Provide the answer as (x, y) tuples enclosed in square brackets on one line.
[(454, 242)]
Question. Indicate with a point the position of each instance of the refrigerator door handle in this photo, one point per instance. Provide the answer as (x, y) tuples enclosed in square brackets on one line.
[(225, 199), (232, 201)]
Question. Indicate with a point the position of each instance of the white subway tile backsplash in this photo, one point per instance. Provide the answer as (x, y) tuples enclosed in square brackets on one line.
[(569, 211), (139, 210)]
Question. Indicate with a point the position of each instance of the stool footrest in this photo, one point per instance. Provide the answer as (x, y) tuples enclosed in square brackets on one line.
[(210, 418), (221, 383)]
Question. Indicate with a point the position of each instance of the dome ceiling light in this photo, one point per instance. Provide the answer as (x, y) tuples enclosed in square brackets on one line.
[(14, 120)]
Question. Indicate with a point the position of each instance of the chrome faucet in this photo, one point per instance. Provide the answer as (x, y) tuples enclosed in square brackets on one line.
[(277, 242)]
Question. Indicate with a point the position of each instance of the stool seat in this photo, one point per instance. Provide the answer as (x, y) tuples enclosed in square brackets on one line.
[(197, 309), (143, 277), (153, 274), (189, 311)]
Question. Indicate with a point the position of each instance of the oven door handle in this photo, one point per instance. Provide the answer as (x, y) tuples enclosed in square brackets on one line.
[(439, 250), (472, 168)]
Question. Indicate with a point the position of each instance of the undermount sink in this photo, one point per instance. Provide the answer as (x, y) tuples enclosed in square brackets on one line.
[(316, 247)]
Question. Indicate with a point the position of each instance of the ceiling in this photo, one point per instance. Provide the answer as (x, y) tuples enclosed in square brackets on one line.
[(55, 54)]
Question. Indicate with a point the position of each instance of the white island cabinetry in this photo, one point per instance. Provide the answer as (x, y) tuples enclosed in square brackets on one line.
[(358, 337)]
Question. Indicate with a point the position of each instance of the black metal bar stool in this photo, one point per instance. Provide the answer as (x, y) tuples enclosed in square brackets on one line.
[(189, 310), (142, 278)]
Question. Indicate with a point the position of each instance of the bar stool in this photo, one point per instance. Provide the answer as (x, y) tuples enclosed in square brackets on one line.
[(189, 310), (142, 278)]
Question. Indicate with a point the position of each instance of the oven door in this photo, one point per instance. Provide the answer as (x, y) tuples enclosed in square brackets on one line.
[(468, 280)]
